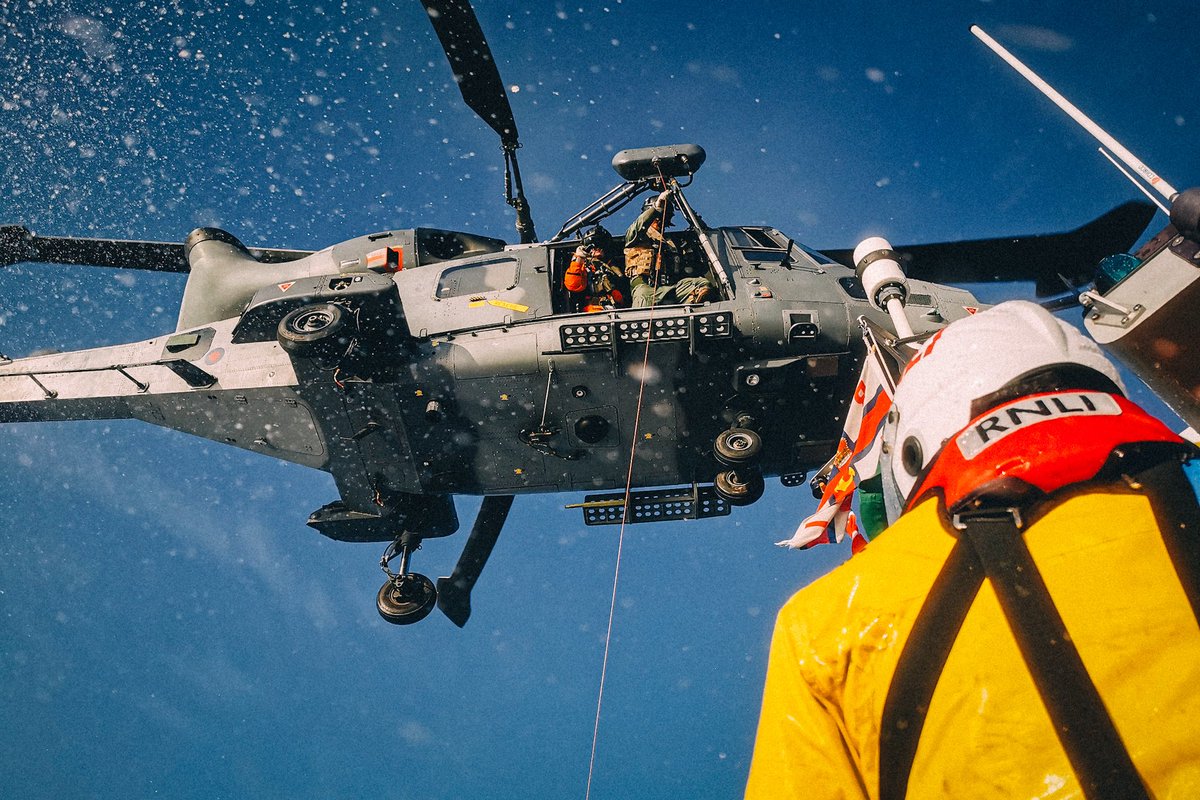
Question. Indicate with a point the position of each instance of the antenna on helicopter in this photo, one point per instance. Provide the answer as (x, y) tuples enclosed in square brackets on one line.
[(478, 80)]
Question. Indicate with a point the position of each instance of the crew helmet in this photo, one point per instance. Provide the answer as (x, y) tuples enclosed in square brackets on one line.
[(596, 237), (973, 365)]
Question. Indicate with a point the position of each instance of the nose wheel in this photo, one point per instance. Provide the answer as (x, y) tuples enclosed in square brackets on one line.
[(739, 487), (406, 597), (738, 447)]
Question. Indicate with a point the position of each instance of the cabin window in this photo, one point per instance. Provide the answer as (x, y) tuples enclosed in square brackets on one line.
[(489, 276)]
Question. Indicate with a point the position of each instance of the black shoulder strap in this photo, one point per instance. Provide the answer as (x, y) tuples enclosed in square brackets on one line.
[(1086, 731), (1177, 512), (920, 667), (992, 545)]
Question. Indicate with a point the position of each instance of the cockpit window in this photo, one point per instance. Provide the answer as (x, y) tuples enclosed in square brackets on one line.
[(760, 256), (815, 255), (752, 238), (759, 246)]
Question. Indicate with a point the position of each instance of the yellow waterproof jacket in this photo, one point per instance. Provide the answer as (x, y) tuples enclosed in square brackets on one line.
[(873, 692)]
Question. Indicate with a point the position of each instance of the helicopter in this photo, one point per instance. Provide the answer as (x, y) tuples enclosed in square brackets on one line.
[(419, 364)]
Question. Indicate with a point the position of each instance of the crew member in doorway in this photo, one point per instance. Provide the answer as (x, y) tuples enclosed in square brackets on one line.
[(1027, 625), (652, 260), (594, 284)]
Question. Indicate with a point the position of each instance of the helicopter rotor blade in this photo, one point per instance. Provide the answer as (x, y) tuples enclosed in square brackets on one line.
[(454, 591), (1053, 261), (475, 71), (19, 245), (479, 82)]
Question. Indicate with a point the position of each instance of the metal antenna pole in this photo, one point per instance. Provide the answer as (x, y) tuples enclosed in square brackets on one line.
[(1136, 183), (1161, 186), (710, 253)]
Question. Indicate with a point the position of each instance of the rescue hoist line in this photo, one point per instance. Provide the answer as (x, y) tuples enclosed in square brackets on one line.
[(637, 420)]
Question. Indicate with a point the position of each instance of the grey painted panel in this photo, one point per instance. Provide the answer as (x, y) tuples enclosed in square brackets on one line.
[(495, 355), (268, 421), (490, 290)]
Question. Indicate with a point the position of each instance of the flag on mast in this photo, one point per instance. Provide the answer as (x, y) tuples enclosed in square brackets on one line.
[(857, 459)]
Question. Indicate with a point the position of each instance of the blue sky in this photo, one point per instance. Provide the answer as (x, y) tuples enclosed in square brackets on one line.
[(169, 626)]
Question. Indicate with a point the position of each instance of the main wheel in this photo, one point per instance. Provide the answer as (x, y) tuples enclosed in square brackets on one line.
[(738, 446), (739, 487), (407, 599), (315, 330)]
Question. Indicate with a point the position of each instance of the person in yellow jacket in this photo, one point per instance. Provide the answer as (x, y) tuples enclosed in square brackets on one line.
[(1027, 626)]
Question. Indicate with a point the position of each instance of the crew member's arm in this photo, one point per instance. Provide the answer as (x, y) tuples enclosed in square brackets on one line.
[(638, 230), (575, 278)]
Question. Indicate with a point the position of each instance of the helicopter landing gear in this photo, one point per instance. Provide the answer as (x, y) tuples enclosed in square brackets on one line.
[(738, 446), (406, 597), (739, 487), (314, 330)]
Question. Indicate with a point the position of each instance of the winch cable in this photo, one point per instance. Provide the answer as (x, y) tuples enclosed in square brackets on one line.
[(637, 418)]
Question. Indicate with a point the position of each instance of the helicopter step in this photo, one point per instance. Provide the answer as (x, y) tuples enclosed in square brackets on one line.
[(696, 502)]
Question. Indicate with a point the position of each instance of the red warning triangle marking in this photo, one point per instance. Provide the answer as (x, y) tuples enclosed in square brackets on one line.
[(968, 309), (283, 287)]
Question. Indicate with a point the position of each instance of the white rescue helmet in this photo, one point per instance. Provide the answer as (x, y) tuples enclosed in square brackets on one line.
[(971, 359)]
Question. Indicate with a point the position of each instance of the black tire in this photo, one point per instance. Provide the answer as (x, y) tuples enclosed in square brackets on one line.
[(738, 447), (409, 602), (739, 487), (315, 330)]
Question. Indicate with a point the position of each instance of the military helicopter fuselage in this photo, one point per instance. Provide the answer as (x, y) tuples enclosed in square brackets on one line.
[(421, 362), (414, 365)]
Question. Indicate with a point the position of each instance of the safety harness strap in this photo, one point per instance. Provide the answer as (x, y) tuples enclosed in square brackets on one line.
[(1173, 499), (920, 666), (1086, 731), (992, 546)]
